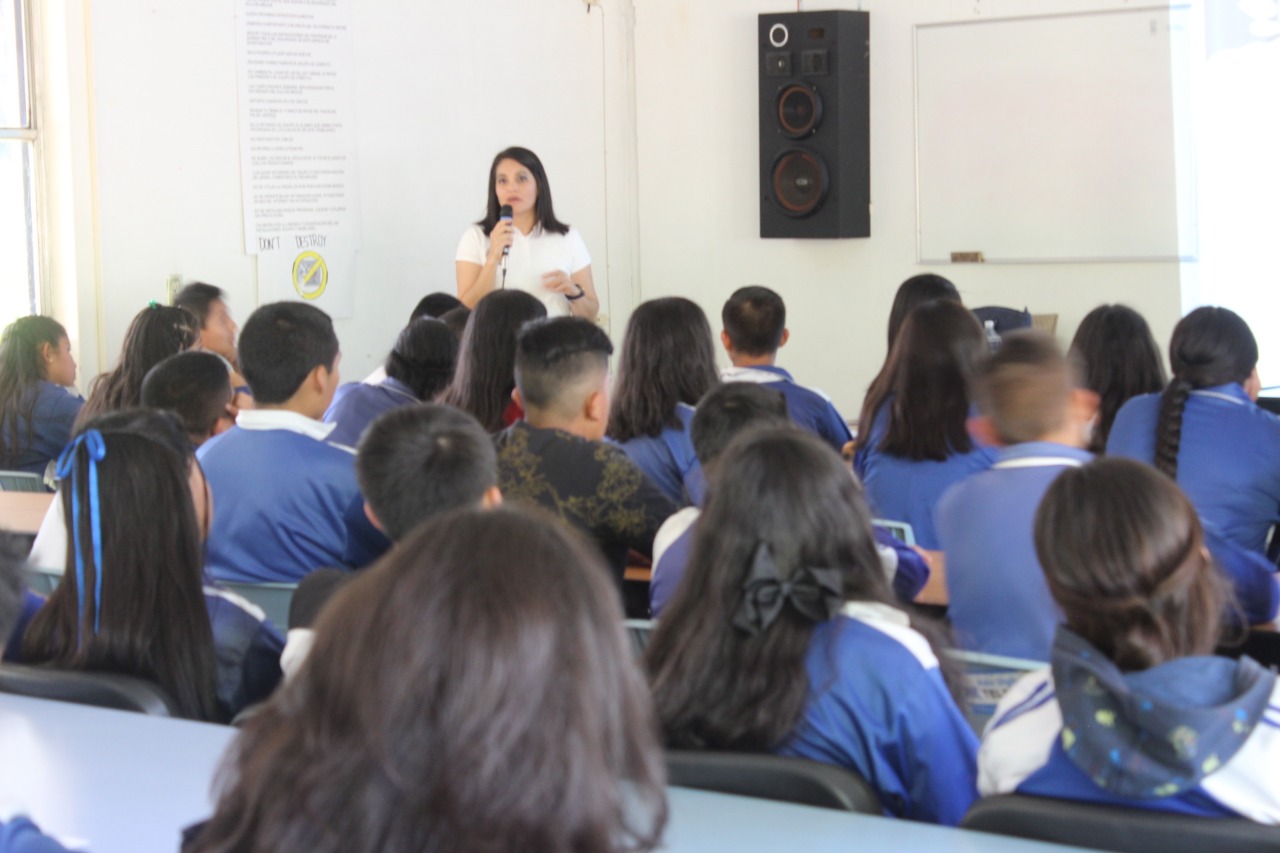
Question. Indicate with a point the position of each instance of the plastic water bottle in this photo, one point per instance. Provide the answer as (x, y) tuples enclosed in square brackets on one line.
[(993, 337)]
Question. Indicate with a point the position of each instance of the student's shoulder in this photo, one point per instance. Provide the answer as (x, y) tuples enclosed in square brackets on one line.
[(873, 630), (52, 400)]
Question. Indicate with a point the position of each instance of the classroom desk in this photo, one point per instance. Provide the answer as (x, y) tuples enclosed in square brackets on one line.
[(112, 781), (22, 512)]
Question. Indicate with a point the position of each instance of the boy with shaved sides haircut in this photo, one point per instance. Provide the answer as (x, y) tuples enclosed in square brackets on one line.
[(1032, 408), (755, 328), (556, 457)]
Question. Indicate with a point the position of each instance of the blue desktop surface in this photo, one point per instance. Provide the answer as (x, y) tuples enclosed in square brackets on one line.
[(108, 781)]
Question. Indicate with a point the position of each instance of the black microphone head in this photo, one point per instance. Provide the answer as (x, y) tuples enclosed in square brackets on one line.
[(504, 212)]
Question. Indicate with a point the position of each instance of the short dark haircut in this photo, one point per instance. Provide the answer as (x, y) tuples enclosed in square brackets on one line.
[(11, 585), (434, 305), (456, 319), (197, 297), (1025, 387), (423, 357), (554, 356), (1120, 360), (195, 386), (731, 409), (280, 344), (416, 462), (754, 318)]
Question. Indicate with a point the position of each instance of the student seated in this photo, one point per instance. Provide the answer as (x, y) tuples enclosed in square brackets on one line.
[(1119, 359), (287, 498), (414, 463), (156, 332), (755, 328), (433, 716), (555, 456), (784, 636), (208, 304), (195, 386), (434, 306), (668, 363), (37, 409), (132, 599), (725, 412), (418, 368), (1206, 430), (1135, 710), (913, 440), (916, 291), (1033, 409), (485, 373)]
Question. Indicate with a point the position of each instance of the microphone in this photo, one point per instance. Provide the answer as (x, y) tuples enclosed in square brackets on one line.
[(504, 212)]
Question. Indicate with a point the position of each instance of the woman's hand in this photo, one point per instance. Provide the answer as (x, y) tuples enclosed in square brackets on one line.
[(500, 238), (558, 281)]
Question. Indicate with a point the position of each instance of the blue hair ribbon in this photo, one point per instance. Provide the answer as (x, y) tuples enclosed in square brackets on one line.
[(96, 449)]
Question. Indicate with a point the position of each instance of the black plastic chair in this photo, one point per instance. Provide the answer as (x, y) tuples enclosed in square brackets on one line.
[(638, 631), (772, 777), (104, 690), (1119, 829), (21, 481)]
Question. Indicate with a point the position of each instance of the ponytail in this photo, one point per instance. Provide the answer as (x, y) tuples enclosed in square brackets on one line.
[(1169, 426)]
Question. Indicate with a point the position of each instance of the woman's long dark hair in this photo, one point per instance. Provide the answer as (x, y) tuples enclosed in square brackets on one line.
[(1210, 346), (1120, 359), (156, 333), (714, 685), (925, 383), (914, 292), (543, 212), (453, 704), (21, 370), (153, 620), (1123, 552), (424, 357), (486, 370), (668, 357)]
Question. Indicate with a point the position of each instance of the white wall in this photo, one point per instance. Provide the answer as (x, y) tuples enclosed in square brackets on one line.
[(653, 158), (699, 215)]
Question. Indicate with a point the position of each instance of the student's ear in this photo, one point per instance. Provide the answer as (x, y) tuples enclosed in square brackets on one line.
[(984, 431), (1253, 385), (46, 351), (373, 519), (492, 498), (1084, 405), (725, 341), (596, 407), (518, 399), (786, 336)]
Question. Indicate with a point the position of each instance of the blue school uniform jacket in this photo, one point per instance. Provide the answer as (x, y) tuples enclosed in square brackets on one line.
[(807, 407), (358, 404), (285, 500), (52, 417), (247, 647), (899, 489), (668, 459), (1228, 458), (20, 835), (1198, 735), (999, 600), (879, 707)]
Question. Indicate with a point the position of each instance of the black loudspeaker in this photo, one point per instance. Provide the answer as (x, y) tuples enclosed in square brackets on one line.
[(815, 142)]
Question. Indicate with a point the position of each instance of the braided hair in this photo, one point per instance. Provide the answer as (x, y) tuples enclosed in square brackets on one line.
[(1210, 346)]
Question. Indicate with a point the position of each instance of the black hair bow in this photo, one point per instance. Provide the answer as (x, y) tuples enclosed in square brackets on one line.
[(816, 593)]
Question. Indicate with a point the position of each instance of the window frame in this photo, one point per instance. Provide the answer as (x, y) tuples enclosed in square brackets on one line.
[(30, 135)]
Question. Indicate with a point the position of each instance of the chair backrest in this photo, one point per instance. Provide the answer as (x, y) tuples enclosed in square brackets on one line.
[(105, 690), (986, 679), (638, 631), (1120, 829), (21, 481), (273, 598), (772, 777), (41, 581), (1262, 646)]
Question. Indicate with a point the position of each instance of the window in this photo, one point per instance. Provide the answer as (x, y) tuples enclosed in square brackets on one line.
[(19, 267)]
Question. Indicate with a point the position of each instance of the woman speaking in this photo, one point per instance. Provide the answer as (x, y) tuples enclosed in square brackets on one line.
[(521, 245)]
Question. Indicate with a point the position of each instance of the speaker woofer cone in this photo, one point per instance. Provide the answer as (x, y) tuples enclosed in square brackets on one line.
[(799, 110), (800, 182)]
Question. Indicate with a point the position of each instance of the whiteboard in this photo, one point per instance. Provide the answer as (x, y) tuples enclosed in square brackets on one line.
[(1052, 138)]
